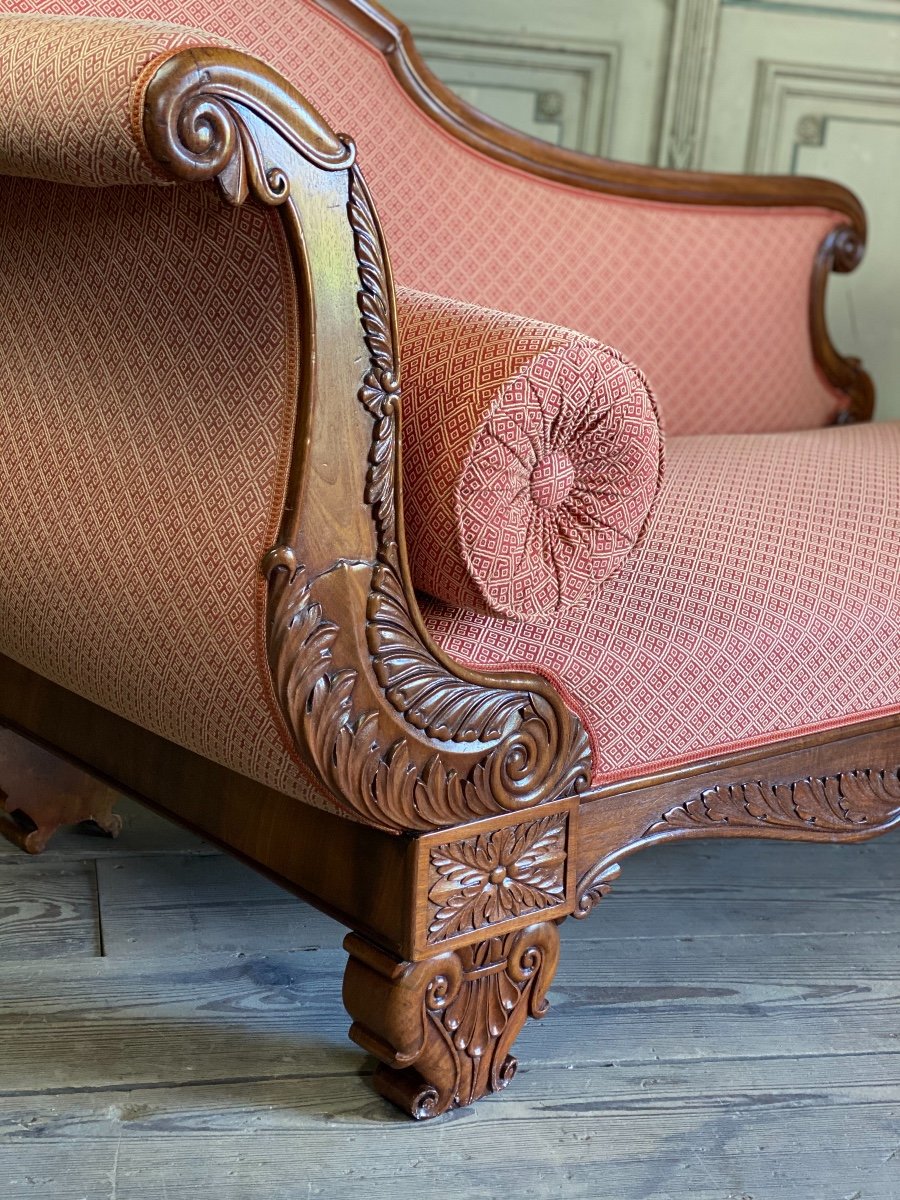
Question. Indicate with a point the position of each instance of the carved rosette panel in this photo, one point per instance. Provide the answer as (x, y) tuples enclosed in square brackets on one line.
[(853, 804), (444, 1027), (495, 876)]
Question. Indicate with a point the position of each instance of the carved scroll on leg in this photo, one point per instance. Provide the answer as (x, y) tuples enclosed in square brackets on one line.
[(443, 1028)]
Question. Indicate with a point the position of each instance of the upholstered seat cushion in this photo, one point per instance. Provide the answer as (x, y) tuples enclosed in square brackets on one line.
[(532, 457), (763, 601)]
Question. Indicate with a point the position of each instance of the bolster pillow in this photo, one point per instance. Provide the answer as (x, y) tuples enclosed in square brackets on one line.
[(532, 458)]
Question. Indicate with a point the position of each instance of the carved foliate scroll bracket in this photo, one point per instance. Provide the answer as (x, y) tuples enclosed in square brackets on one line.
[(443, 1028), (852, 805), (404, 738), (593, 887)]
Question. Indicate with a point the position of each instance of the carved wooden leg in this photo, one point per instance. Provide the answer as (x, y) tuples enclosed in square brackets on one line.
[(41, 792), (442, 1028)]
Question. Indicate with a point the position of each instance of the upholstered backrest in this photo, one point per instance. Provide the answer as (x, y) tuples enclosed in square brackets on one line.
[(711, 303)]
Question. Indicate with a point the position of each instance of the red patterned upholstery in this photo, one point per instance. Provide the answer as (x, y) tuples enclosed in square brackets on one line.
[(656, 280), (68, 89), (532, 458), (764, 600), (148, 381)]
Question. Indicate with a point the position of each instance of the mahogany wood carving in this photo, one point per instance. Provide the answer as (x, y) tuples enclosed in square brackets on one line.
[(401, 736), (792, 793), (841, 251), (485, 879), (494, 875), (594, 886), (443, 1028), (39, 793), (474, 829), (846, 803)]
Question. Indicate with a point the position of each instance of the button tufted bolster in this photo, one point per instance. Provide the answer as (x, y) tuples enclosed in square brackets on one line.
[(532, 458)]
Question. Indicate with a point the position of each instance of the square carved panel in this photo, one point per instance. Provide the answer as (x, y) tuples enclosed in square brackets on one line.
[(503, 873)]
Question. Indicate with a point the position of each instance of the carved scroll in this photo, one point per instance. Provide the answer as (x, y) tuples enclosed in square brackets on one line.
[(404, 738), (383, 783), (851, 806), (196, 124), (593, 887), (443, 1028), (842, 252)]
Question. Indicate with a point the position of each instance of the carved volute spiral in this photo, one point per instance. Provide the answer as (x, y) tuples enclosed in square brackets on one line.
[(195, 126), (399, 734), (847, 249)]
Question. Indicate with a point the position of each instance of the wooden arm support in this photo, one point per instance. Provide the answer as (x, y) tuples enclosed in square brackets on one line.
[(404, 739)]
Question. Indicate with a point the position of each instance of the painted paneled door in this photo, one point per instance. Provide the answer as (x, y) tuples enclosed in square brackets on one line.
[(806, 87)]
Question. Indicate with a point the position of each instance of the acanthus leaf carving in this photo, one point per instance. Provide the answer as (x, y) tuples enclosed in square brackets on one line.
[(380, 392), (212, 117), (382, 782), (444, 1027), (593, 887), (850, 803), (509, 748), (417, 684)]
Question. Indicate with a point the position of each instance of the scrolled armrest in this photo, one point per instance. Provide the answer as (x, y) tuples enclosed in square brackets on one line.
[(71, 95), (399, 734)]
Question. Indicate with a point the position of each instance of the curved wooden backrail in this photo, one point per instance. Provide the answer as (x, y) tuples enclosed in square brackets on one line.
[(841, 251)]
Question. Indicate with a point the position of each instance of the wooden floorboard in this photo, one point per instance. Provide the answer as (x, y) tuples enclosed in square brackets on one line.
[(178, 904), (48, 910), (726, 1026)]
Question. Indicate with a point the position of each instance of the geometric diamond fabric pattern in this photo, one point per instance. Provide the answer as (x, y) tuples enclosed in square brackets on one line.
[(68, 86), (658, 281), (147, 387), (763, 601), (532, 457)]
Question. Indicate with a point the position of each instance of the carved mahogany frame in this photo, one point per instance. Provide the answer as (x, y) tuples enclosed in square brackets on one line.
[(473, 829), (841, 251)]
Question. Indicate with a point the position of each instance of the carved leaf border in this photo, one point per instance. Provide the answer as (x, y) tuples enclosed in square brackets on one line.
[(846, 803), (415, 682)]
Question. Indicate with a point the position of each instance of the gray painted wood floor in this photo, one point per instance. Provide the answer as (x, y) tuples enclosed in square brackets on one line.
[(725, 1027)]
